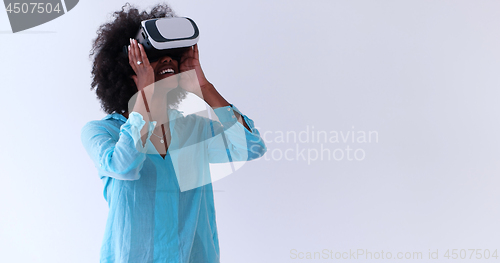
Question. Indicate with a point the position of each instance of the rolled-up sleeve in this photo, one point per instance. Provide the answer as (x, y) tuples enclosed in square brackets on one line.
[(231, 141), (120, 158)]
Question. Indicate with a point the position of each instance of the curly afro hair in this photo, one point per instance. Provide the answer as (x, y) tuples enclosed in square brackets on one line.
[(111, 71)]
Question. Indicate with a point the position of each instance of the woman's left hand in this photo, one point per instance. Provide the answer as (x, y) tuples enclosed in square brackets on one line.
[(189, 61)]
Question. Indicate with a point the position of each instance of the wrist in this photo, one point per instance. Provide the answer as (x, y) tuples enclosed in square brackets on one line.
[(202, 90), (212, 97), (209, 87), (148, 90)]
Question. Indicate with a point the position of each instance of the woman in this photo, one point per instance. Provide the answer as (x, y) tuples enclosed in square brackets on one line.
[(154, 166)]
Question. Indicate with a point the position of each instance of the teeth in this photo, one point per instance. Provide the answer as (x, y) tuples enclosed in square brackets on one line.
[(169, 70)]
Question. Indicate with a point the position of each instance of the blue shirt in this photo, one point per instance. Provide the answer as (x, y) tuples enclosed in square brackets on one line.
[(162, 209)]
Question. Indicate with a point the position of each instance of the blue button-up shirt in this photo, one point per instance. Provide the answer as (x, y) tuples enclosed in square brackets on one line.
[(162, 209)]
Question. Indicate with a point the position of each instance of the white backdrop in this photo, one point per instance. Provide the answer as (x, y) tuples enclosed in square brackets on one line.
[(421, 77)]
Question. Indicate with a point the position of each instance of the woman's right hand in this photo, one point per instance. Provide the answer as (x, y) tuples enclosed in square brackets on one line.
[(144, 80), (144, 73)]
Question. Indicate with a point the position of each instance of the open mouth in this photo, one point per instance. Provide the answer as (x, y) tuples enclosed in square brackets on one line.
[(166, 71)]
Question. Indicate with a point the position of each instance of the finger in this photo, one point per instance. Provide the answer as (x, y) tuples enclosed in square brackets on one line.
[(188, 54), (138, 53), (196, 51), (135, 53), (131, 50), (132, 55), (131, 59), (144, 57), (183, 58)]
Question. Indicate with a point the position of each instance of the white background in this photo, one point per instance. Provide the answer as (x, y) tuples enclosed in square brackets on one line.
[(423, 74)]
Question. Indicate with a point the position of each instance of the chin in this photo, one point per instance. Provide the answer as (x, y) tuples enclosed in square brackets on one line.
[(167, 82)]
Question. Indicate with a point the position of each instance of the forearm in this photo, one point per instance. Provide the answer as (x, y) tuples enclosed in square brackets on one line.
[(120, 158), (237, 143), (213, 98), (144, 98)]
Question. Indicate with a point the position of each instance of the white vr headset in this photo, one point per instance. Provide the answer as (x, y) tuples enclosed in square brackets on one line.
[(166, 36)]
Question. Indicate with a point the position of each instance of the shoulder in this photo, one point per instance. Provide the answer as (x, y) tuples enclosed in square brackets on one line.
[(110, 124)]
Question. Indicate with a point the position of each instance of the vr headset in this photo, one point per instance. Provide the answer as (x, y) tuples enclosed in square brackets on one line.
[(166, 37)]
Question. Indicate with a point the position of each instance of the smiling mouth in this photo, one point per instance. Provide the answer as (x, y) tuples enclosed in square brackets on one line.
[(166, 71)]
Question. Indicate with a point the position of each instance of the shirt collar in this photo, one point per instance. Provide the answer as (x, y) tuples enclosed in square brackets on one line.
[(174, 113), (116, 116)]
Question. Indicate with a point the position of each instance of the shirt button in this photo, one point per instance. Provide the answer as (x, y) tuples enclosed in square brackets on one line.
[(228, 109), (233, 117)]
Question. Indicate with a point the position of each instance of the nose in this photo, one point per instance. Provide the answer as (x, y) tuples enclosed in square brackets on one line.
[(165, 59)]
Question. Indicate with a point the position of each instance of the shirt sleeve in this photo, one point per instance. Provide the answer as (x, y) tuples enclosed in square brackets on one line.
[(123, 158), (231, 141)]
